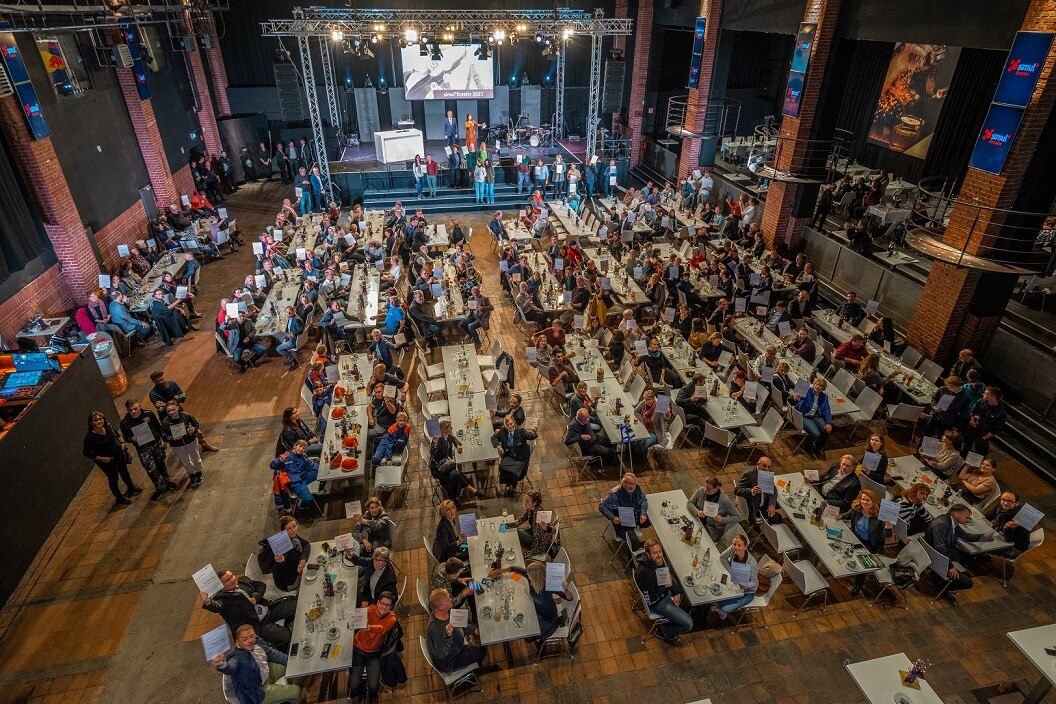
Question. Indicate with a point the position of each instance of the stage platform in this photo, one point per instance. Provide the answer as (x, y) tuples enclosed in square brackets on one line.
[(364, 158)]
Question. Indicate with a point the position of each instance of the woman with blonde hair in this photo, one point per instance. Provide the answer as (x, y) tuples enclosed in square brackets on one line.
[(442, 465), (374, 527), (912, 510), (447, 542), (864, 519), (543, 599)]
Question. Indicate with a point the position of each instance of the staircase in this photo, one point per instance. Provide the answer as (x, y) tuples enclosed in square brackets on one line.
[(447, 200)]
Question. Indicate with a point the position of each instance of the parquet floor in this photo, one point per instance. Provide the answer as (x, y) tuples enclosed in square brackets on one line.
[(108, 612)]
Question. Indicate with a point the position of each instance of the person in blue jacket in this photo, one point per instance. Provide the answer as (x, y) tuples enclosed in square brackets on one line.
[(301, 470), (817, 416), (245, 666)]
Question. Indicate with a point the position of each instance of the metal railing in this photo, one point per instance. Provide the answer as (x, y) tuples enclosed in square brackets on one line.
[(811, 160), (721, 118)]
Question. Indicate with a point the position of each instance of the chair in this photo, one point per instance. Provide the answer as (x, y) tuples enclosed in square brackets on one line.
[(991, 498), (655, 620), (254, 572), (911, 357), (766, 433), (389, 477), (760, 602), (431, 409), (422, 590), (632, 554), (488, 361), (867, 483), (451, 680), (886, 581), (907, 413), (1037, 537), (564, 559), (796, 419), (930, 370), (939, 564), (625, 370), (430, 371), (560, 636), (429, 551), (545, 555), (780, 537), (844, 381), (424, 454), (229, 690), (868, 402), (637, 388), (724, 438), (402, 589), (808, 580), (306, 396), (221, 341), (576, 457), (432, 386)]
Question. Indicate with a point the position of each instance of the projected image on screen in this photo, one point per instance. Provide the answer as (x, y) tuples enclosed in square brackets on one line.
[(457, 75)]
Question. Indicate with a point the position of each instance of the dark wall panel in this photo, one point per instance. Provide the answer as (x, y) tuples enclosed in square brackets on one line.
[(105, 182), (41, 478), (175, 108)]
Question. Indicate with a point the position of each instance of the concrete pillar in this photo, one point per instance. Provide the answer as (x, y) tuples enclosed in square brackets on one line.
[(779, 222), (697, 108), (40, 167)]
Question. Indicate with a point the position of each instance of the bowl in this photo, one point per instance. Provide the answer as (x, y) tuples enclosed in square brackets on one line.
[(307, 651), (339, 392), (336, 462), (349, 441), (700, 589), (715, 589), (311, 575), (486, 613), (337, 413)]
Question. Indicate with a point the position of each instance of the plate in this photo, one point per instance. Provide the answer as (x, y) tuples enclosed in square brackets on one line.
[(307, 651), (485, 613), (715, 589), (311, 575), (700, 589), (509, 556), (341, 586), (347, 562), (333, 635), (902, 698)]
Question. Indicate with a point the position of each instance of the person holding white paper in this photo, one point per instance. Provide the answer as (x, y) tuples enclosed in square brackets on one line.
[(542, 598), (875, 445), (141, 428), (979, 482), (285, 569), (760, 505), (839, 485), (368, 645), (655, 421), (515, 453), (179, 431), (725, 520), (627, 494), (913, 509), (863, 517), (255, 669), (242, 340), (1003, 519), (237, 604), (947, 460), (374, 528), (744, 568), (534, 535), (449, 646), (948, 412), (663, 592)]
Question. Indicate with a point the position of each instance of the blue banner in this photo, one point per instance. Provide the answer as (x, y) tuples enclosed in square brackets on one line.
[(1022, 67), (27, 95), (996, 138), (139, 71)]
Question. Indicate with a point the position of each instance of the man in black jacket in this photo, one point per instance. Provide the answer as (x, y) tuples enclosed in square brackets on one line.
[(237, 604), (663, 599), (942, 534), (759, 504), (985, 420), (839, 485)]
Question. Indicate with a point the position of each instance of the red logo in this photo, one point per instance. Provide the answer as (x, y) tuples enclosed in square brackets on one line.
[(988, 133), (1013, 65)]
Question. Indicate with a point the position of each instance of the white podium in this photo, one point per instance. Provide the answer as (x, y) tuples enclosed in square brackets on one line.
[(398, 145)]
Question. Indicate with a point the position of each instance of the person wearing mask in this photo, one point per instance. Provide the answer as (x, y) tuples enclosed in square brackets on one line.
[(286, 569), (256, 669), (664, 599), (179, 431), (839, 484), (141, 428), (626, 494), (103, 446), (738, 553), (726, 519), (863, 517)]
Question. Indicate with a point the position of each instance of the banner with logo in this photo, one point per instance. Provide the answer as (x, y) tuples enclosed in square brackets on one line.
[(996, 137), (1022, 67), (797, 75), (910, 101)]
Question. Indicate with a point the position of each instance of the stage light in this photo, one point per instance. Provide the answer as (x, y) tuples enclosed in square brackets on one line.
[(539, 37), (436, 56), (423, 50), (522, 27), (375, 39), (449, 38), (379, 28), (567, 33), (410, 35), (337, 35)]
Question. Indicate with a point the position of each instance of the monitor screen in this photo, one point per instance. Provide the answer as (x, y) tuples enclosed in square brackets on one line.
[(793, 94), (458, 74), (1022, 67), (995, 138), (31, 361), (804, 42), (17, 380)]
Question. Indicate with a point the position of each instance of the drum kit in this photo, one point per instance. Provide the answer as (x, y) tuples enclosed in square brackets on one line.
[(521, 134)]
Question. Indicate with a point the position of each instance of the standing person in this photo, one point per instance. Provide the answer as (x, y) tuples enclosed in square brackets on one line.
[(249, 165), (283, 161), (264, 160), (319, 192), (179, 431), (590, 175), (369, 643), (223, 169), (103, 446), (432, 170), (524, 175), (557, 173), (480, 177), (142, 428), (454, 166), (291, 154), (165, 390), (451, 129), (611, 173), (304, 182), (304, 154), (489, 181), (471, 140), (824, 206), (418, 169), (542, 175)]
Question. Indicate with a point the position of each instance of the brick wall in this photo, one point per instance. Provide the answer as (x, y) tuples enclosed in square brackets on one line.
[(40, 167), (126, 228), (48, 293), (206, 116), (643, 40), (697, 107), (145, 126), (184, 183), (936, 325), (777, 222), (217, 70)]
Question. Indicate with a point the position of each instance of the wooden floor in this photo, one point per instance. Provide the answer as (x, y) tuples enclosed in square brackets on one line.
[(108, 612)]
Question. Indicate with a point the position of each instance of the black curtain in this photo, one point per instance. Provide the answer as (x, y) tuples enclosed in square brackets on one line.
[(864, 80), (22, 236)]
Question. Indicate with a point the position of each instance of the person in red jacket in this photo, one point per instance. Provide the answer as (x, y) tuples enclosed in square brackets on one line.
[(368, 645)]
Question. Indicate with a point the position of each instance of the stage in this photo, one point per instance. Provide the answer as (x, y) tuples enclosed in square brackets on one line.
[(363, 158)]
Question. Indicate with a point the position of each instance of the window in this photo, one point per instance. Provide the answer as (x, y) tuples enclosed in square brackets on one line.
[(64, 65)]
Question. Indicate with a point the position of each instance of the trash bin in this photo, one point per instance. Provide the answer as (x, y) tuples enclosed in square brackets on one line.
[(109, 362)]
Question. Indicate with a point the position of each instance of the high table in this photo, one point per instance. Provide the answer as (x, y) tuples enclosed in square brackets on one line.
[(908, 470), (704, 583), (905, 378), (505, 610), (881, 681), (841, 556), (1032, 642), (333, 627)]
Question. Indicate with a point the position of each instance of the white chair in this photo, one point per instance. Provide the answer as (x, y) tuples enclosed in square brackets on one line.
[(868, 402), (625, 370), (991, 498), (451, 680), (939, 564), (906, 413), (564, 559), (429, 371), (429, 551), (911, 357), (655, 620), (576, 457), (389, 477), (765, 434), (808, 580), (780, 537), (254, 572), (760, 602), (637, 388), (422, 590), (423, 455), (1037, 537), (867, 483), (229, 690), (306, 396), (432, 386), (796, 419), (930, 370), (674, 432), (724, 438), (843, 381), (886, 581), (431, 409), (488, 361), (560, 636)]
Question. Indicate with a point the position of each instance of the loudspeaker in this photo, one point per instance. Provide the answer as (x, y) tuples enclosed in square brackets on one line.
[(612, 87)]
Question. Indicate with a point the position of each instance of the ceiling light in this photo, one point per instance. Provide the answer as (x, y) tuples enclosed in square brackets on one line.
[(337, 35), (410, 35), (567, 33)]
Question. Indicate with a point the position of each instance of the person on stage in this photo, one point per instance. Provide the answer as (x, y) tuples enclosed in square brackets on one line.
[(451, 129), (454, 165), (471, 141)]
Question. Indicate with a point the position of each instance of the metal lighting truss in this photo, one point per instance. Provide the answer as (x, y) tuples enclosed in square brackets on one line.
[(313, 113), (559, 103), (328, 81), (465, 26)]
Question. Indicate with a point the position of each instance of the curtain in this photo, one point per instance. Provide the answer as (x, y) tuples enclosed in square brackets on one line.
[(22, 237)]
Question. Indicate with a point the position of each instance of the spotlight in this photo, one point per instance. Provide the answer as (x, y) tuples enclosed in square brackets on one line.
[(337, 35), (410, 35), (379, 28), (449, 37), (549, 49), (538, 37), (436, 55), (522, 28), (375, 39), (567, 33), (513, 81), (423, 50), (499, 35)]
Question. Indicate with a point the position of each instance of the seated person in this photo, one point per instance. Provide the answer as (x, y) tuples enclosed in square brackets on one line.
[(237, 605), (978, 482), (1002, 518), (738, 552), (534, 535), (839, 484), (943, 534), (450, 648), (449, 538), (255, 669), (393, 442), (947, 460), (913, 510), (376, 575), (285, 569), (852, 311), (374, 528), (542, 598), (760, 505), (628, 495), (852, 352), (727, 518), (442, 465), (580, 432), (864, 519), (662, 599)]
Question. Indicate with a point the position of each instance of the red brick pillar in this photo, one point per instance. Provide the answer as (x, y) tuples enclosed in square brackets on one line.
[(619, 43), (643, 40), (217, 71), (145, 125), (40, 167), (778, 222), (697, 107), (206, 116), (939, 329)]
